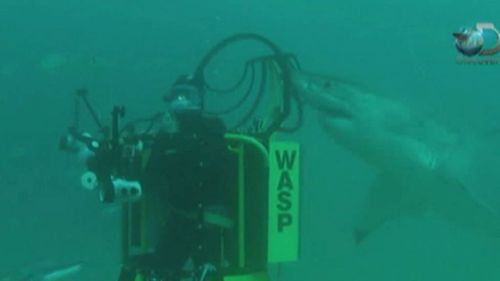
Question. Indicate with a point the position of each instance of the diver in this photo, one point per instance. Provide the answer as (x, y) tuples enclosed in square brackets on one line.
[(194, 185), (189, 177)]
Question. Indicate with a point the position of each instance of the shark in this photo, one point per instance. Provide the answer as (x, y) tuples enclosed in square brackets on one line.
[(44, 273), (420, 165)]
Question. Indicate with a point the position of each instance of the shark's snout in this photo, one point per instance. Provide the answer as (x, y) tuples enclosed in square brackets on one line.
[(323, 93)]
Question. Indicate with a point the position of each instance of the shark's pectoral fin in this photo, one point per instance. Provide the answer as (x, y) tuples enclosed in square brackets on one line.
[(382, 203), (390, 196)]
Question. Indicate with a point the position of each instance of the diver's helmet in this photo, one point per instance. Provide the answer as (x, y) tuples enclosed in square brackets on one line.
[(185, 95)]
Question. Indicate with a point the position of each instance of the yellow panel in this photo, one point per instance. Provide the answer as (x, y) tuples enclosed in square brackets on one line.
[(284, 191), (258, 276)]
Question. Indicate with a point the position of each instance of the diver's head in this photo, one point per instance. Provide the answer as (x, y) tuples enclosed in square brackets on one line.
[(185, 96)]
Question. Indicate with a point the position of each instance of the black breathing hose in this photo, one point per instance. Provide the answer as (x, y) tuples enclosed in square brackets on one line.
[(284, 63)]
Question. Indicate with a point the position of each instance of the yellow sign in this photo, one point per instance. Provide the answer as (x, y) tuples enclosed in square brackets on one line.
[(257, 276), (284, 172)]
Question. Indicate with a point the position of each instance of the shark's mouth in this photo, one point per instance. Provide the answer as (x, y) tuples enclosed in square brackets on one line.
[(336, 112), (340, 113)]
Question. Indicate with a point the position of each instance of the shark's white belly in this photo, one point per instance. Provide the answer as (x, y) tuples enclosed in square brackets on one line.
[(385, 150)]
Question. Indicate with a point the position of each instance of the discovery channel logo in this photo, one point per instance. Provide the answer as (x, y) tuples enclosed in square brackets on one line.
[(478, 44)]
